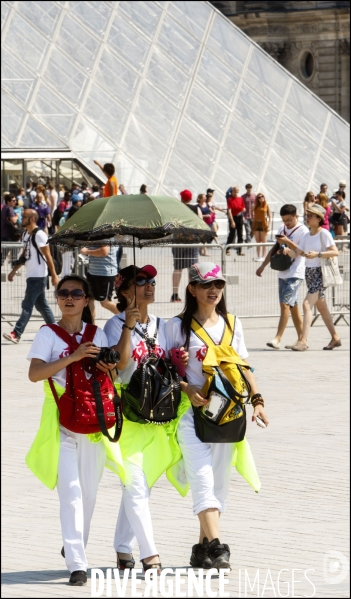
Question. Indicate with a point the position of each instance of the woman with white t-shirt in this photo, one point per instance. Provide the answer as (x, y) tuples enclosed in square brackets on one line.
[(207, 465), (71, 461), (315, 246), (148, 450)]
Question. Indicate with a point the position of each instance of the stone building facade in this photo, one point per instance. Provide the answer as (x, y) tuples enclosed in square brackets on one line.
[(310, 39)]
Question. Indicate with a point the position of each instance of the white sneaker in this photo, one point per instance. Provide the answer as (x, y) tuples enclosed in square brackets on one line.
[(257, 259)]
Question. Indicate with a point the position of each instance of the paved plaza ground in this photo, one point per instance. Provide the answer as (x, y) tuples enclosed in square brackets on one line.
[(296, 522)]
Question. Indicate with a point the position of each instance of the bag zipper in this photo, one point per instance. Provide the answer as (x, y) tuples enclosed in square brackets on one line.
[(155, 406)]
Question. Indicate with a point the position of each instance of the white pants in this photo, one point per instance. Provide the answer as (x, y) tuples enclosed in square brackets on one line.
[(81, 465), (134, 518), (66, 263), (207, 466)]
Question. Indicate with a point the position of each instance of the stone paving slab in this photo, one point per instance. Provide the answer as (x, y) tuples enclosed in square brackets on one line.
[(297, 519)]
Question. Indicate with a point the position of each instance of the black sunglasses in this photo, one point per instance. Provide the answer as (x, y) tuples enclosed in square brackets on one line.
[(142, 281), (217, 284), (75, 293)]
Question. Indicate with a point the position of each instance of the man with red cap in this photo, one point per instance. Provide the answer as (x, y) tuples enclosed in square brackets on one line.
[(184, 257)]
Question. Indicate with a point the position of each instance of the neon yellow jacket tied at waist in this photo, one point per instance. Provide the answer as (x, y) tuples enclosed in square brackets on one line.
[(153, 448)]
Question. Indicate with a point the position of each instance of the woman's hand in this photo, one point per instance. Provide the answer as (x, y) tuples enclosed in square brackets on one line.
[(311, 255), (106, 368), (195, 395), (185, 356), (85, 350), (259, 411), (132, 313)]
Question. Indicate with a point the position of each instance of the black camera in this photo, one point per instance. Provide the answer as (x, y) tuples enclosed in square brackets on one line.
[(106, 355), (21, 260)]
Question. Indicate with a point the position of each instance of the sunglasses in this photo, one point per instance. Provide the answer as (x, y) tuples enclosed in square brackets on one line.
[(142, 281), (75, 294), (217, 284)]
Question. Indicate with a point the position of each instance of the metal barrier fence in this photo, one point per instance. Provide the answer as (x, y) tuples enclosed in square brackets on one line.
[(247, 295)]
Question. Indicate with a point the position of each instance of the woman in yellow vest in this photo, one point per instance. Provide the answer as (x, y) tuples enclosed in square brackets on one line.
[(204, 327)]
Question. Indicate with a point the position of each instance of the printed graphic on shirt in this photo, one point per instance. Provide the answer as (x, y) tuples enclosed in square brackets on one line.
[(141, 352), (66, 352), (201, 353)]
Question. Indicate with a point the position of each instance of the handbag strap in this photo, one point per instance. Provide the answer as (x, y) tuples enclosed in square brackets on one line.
[(101, 415)]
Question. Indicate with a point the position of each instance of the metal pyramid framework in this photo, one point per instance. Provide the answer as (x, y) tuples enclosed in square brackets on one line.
[(172, 93)]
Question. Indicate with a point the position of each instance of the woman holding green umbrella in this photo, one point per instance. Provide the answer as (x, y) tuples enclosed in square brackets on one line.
[(148, 450)]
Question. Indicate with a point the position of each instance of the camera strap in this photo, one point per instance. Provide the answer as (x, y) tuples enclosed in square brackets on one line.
[(101, 415)]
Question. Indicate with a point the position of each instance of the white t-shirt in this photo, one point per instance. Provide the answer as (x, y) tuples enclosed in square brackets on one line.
[(139, 350), (33, 267), (49, 347), (197, 349), (313, 243), (297, 268)]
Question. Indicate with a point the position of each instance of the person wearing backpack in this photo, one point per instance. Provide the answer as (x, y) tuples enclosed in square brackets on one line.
[(37, 260), (205, 329), (68, 452), (148, 448), (290, 277)]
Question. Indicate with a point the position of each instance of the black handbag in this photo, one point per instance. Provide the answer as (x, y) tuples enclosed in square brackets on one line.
[(228, 425), (153, 393), (280, 261), (15, 230)]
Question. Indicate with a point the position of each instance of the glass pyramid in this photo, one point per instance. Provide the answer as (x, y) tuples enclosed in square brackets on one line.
[(172, 93)]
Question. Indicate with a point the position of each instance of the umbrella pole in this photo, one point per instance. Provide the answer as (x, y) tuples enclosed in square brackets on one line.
[(134, 269)]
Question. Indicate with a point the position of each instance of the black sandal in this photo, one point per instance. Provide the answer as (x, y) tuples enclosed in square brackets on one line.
[(125, 564), (157, 567)]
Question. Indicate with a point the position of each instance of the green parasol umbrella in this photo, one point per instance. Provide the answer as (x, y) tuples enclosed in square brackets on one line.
[(133, 220)]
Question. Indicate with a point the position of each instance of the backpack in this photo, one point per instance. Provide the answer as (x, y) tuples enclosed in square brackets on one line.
[(54, 251), (87, 405), (153, 393), (225, 386)]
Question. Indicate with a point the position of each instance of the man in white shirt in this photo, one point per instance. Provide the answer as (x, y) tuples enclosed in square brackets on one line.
[(37, 262), (291, 278)]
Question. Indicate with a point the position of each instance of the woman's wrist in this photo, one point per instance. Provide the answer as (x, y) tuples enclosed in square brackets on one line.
[(125, 326), (257, 400)]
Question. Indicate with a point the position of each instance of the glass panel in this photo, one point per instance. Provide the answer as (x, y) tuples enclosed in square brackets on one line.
[(5, 9), (248, 150), (231, 173), (331, 171), (128, 43), (179, 45), (36, 135), (280, 177), (195, 148), (217, 78), (156, 112), (16, 78), (167, 77), (132, 176), (50, 109), (43, 15), (12, 116), (305, 111), (114, 75), (41, 171), (143, 15), (87, 137), (12, 175), (266, 78), (144, 148), (73, 36), (94, 15), (295, 147), (106, 113), (259, 116), (26, 43), (191, 15), (64, 76), (180, 176), (337, 141), (207, 112), (229, 43), (65, 173)]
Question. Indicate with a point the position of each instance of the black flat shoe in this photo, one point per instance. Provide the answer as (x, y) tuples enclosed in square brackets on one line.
[(199, 555), (219, 554), (78, 578), (157, 566), (63, 552)]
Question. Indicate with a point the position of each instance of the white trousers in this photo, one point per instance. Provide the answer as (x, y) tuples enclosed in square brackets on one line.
[(134, 518), (81, 465), (67, 258), (207, 466)]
